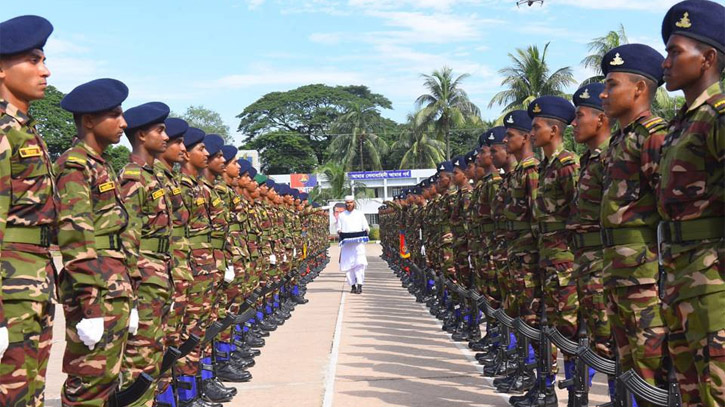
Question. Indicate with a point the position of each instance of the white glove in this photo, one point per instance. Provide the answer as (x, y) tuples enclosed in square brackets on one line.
[(422, 250), (4, 341), (272, 259), (133, 322), (284, 257), (470, 263), (294, 252), (90, 331), (229, 274)]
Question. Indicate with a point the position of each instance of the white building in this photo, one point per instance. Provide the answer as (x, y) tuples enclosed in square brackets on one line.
[(384, 184)]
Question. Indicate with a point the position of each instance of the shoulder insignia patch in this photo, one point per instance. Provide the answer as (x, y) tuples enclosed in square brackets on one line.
[(654, 124), (237, 199), (106, 186), (528, 163), (568, 160), (200, 201), (77, 160), (157, 194), (216, 202), (28, 152), (718, 103), (131, 173), (176, 191)]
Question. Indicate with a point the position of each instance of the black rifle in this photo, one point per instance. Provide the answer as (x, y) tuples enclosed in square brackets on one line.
[(635, 384), (545, 353), (123, 398), (189, 345), (171, 355)]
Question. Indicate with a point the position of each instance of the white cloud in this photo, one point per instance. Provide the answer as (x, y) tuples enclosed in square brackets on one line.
[(253, 4), (326, 38)]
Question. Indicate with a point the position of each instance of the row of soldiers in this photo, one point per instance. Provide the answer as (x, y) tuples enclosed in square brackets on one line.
[(173, 270), (624, 242)]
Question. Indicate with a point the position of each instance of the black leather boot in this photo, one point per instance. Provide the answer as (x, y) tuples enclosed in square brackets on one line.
[(227, 372)]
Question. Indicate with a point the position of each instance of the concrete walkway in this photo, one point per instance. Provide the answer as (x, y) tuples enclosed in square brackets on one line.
[(380, 348)]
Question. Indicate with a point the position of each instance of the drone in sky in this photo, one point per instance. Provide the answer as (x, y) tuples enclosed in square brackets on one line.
[(529, 2)]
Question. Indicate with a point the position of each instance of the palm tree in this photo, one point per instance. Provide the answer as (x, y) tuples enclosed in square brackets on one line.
[(358, 141), (599, 47), (340, 185), (528, 78), (666, 106), (446, 105), (420, 148)]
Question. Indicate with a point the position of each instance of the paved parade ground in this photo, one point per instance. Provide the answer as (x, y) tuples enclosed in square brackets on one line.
[(380, 348)]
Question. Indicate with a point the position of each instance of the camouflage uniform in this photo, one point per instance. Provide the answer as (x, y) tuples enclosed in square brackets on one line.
[(629, 218), (95, 281), (461, 208), (499, 249), (179, 249), (523, 254), (554, 199), (201, 261), (691, 199), (586, 242), (231, 250), (148, 233), (27, 220), (489, 189)]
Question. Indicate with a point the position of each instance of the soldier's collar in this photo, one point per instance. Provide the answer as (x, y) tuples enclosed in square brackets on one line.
[(91, 152), (12, 111), (712, 90), (136, 159)]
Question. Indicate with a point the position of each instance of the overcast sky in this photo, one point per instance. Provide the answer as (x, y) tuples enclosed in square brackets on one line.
[(227, 54)]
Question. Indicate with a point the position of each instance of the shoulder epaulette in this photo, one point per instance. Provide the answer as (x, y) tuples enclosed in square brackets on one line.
[(655, 124), (718, 103), (76, 159), (529, 163), (566, 158), (187, 181), (131, 172)]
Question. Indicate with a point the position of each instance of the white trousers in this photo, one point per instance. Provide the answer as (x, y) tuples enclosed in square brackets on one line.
[(356, 275)]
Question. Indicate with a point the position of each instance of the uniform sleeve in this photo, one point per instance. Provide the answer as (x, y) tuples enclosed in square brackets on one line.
[(532, 187), (650, 157), (76, 240), (715, 143), (5, 191), (133, 197), (568, 176)]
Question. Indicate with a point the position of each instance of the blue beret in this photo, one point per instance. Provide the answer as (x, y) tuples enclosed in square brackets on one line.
[(701, 20), (270, 183), (304, 196), (460, 162), (424, 183), (445, 166), (638, 59), (518, 119), (471, 156), (175, 127), (315, 205), (244, 165), (229, 152), (193, 136), (252, 172), (552, 107), (144, 115), (213, 143), (96, 96), (588, 95), (495, 135), (24, 33)]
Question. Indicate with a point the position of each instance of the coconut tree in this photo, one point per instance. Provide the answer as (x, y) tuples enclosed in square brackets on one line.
[(357, 140), (446, 105), (598, 47), (420, 146), (529, 77)]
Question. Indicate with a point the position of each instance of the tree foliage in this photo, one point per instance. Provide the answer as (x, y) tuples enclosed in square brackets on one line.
[(599, 47), (309, 111), (446, 105), (118, 156), (283, 152), (207, 120), (529, 77), (55, 125), (356, 141)]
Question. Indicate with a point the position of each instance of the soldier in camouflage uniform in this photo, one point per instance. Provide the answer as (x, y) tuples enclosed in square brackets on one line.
[(447, 256), (691, 195), (558, 173), (148, 232), (27, 217), (628, 212), (460, 209), (94, 285), (178, 243), (591, 127)]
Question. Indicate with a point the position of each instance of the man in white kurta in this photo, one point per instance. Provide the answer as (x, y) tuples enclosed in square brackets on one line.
[(352, 253)]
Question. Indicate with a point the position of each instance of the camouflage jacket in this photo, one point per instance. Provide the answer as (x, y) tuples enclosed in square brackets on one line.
[(492, 182), (460, 218), (90, 215), (218, 214), (553, 204), (518, 207), (195, 200), (149, 220), (26, 200), (230, 202), (179, 243), (499, 247), (588, 201), (628, 202), (691, 188)]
